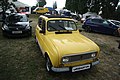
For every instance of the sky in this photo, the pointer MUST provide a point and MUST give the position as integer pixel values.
(60, 3)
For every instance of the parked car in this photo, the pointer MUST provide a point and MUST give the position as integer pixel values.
(63, 46)
(89, 15)
(102, 26)
(16, 25)
(41, 10)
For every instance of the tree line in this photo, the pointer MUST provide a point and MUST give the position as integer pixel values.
(106, 8)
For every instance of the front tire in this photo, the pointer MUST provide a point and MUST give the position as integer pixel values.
(116, 33)
(4, 34)
(48, 64)
(30, 33)
(88, 29)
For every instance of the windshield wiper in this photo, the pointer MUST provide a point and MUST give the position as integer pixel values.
(63, 32)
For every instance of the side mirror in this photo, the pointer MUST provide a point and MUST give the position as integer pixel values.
(41, 31)
(80, 30)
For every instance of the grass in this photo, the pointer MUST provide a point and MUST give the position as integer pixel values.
(21, 59)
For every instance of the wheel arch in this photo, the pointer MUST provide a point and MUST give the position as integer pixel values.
(54, 60)
(48, 55)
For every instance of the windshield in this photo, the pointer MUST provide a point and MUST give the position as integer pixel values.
(56, 25)
(17, 18)
(116, 22)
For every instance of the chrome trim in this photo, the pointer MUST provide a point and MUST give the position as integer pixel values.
(79, 54)
(95, 63)
(79, 61)
(63, 69)
(60, 69)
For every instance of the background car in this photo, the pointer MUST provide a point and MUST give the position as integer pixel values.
(16, 25)
(41, 10)
(89, 15)
(101, 25)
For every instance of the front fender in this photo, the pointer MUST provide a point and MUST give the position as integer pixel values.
(52, 53)
(54, 59)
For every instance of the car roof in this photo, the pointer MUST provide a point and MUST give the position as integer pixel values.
(94, 18)
(114, 20)
(54, 16)
(17, 14)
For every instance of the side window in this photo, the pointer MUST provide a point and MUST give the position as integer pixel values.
(95, 21)
(105, 22)
(72, 25)
(40, 22)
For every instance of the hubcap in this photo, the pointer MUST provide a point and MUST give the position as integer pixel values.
(48, 64)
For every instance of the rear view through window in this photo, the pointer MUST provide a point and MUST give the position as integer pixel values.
(56, 25)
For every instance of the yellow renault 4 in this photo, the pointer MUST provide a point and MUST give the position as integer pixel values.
(63, 46)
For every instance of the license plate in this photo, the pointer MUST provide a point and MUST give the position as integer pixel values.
(80, 68)
(16, 32)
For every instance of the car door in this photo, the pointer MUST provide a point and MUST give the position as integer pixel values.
(40, 34)
(95, 25)
(106, 27)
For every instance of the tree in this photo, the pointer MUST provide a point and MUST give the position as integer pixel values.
(41, 3)
(108, 7)
(77, 6)
(118, 11)
(82, 6)
(55, 5)
(5, 5)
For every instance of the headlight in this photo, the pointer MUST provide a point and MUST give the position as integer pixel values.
(6, 27)
(65, 59)
(93, 55)
(28, 27)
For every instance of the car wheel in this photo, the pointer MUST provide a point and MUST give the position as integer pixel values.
(87, 29)
(30, 34)
(116, 33)
(3, 34)
(48, 64)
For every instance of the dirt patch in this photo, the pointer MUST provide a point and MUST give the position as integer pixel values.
(21, 59)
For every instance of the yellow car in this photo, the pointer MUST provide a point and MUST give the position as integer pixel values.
(63, 46)
(41, 10)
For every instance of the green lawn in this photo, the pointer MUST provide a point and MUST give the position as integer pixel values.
(21, 59)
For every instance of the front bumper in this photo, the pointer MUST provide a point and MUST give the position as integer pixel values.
(65, 69)
(10, 34)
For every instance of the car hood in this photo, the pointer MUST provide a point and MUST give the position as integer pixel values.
(18, 24)
(72, 44)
